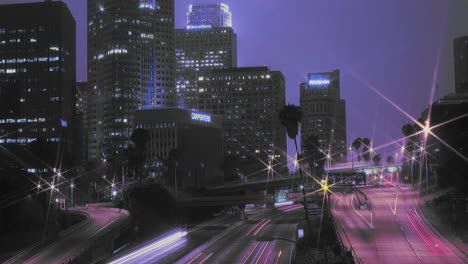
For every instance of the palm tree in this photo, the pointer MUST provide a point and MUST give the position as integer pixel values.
(356, 145)
(390, 160)
(376, 159)
(140, 138)
(290, 117)
(365, 151)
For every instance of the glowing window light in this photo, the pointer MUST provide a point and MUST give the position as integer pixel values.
(145, 35)
(319, 82)
(116, 51)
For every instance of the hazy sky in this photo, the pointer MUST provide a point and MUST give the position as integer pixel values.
(394, 45)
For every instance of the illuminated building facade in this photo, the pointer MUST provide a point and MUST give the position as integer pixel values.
(324, 113)
(197, 139)
(207, 42)
(131, 65)
(217, 15)
(460, 49)
(249, 99)
(199, 49)
(37, 74)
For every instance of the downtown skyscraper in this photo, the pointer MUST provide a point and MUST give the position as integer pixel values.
(131, 65)
(207, 42)
(460, 50)
(324, 113)
(249, 100)
(217, 15)
(37, 76)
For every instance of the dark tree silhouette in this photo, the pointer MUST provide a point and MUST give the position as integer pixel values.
(140, 138)
(366, 155)
(290, 117)
(390, 160)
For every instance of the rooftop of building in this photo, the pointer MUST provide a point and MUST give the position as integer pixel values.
(10, 10)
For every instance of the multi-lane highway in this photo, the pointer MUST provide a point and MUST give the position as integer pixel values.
(393, 230)
(267, 236)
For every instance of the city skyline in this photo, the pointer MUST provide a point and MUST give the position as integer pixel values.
(211, 131)
(372, 51)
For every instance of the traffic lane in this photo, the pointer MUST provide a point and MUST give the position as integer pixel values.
(433, 245)
(65, 247)
(356, 232)
(151, 252)
(423, 244)
(264, 247)
(236, 245)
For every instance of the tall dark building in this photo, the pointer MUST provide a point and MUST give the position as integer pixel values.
(202, 45)
(324, 113)
(460, 50)
(217, 15)
(249, 99)
(82, 96)
(37, 74)
(196, 138)
(131, 65)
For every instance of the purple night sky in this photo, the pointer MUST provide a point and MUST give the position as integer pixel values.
(393, 45)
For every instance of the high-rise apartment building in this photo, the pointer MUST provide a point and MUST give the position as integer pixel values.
(131, 66)
(460, 50)
(249, 99)
(324, 113)
(203, 45)
(217, 15)
(37, 74)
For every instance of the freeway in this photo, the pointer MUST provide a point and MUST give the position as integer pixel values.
(225, 239)
(70, 245)
(267, 237)
(393, 230)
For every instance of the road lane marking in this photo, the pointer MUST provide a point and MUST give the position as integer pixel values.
(437, 242)
(207, 257)
(278, 258)
(261, 227)
(261, 253)
(253, 228)
(250, 254)
(268, 257)
(428, 243)
(194, 258)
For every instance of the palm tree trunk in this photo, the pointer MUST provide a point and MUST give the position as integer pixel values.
(302, 181)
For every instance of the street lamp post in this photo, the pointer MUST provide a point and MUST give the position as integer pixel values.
(72, 186)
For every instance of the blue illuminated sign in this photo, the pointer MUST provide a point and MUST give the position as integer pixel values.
(319, 82)
(201, 117)
(194, 27)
